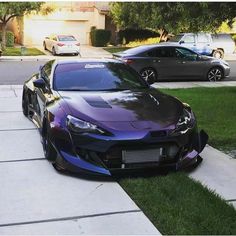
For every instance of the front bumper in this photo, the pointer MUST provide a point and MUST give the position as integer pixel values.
(104, 156)
(226, 71)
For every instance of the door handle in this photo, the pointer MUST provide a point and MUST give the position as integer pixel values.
(156, 60)
(181, 62)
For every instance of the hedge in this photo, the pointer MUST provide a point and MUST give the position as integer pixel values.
(9, 38)
(100, 37)
(128, 35)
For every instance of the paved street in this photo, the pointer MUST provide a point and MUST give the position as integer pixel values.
(36, 199)
(16, 72)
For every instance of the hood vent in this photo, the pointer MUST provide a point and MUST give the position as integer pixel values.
(96, 101)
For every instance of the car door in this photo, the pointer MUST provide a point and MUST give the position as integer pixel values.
(44, 94)
(51, 42)
(54, 42)
(190, 64)
(164, 61)
(203, 44)
(189, 41)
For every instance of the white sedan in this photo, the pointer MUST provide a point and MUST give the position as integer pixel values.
(62, 44)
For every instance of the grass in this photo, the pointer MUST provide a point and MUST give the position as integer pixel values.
(178, 205)
(215, 109)
(17, 52)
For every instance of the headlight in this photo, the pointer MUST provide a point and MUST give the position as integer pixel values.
(185, 122)
(80, 126)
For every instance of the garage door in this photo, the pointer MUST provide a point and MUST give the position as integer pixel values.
(36, 30)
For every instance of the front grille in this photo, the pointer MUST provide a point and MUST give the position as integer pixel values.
(137, 156)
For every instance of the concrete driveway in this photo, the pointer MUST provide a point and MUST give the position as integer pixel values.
(85, 51)
(36, 199)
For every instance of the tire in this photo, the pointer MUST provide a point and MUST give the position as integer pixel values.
(44, 46)
(215, 74)
(49, 151)
(25, 103)
(219, 54)
(58, 165)
(54, 53)
(149, 75)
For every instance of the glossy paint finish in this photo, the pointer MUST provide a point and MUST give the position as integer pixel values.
(139, 119)
(168, 66)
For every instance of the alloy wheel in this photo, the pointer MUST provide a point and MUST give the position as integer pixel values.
(215, 74)
(149, 75)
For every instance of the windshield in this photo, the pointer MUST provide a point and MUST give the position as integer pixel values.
(64, 38)
(176, 38)
(96, 76)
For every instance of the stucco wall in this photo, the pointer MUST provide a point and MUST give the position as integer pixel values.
(63, 20)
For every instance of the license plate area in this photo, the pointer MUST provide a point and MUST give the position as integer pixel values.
(142, 156)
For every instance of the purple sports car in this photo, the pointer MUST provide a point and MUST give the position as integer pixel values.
(100, 116)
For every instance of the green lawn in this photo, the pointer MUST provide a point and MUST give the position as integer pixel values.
(175, 203)
(17, 52)
(215, 109)
(178, 205)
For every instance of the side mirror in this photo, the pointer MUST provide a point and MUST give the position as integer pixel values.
(199, 57)
(181, 41)
(39, 83)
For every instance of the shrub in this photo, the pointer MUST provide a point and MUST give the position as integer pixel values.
(129, 35)
(9, 38)
(100, 37)
(143, 42)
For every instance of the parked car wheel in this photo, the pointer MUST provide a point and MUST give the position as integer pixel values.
(218, 54)
(54, 53)
(49, 151)
(215, 74)
(44, 46)
(149, 75)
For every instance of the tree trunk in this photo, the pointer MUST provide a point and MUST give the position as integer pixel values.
(4, 28)
(163, 35)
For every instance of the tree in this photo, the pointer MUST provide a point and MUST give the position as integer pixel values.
(173, 17)
(10, 10)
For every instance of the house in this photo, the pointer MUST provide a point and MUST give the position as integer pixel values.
(74, 18)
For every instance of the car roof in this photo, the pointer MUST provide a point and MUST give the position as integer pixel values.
(144, 48)
(86, 60)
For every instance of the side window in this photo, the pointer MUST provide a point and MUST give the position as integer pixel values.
(189, 39)
(183, 53)
(162, 52)
(203, 38)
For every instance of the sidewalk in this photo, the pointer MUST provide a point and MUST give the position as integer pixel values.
(195, 84)
(218, 172)
(35, 199)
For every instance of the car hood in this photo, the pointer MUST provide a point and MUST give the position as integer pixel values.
(141, 108)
